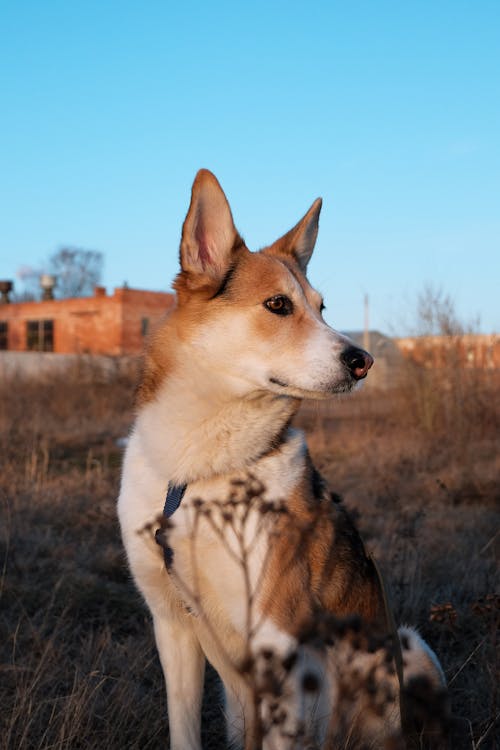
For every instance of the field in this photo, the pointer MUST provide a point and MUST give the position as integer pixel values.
(417, 463)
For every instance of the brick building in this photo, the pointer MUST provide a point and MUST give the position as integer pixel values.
(103, 324)
(479, 351)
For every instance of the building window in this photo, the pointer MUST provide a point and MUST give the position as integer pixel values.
(40, 335)
(4, 334)
(144, 326)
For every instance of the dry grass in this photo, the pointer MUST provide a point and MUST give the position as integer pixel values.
(417, 463)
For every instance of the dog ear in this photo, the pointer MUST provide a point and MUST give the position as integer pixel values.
(300, 240)
(208, 233)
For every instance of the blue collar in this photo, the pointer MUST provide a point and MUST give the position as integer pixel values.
(175, 493)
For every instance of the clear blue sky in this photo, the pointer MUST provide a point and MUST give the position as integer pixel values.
(388, 110)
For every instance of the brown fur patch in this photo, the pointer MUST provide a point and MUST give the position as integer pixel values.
(318, 562)
(263, 275)
(157, 363)
(286, 257)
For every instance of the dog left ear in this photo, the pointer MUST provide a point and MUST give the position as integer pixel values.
(208, 234)
(300, 240)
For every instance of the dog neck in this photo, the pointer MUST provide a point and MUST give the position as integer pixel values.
(202, 425)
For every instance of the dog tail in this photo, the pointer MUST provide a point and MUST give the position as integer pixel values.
(419, 660)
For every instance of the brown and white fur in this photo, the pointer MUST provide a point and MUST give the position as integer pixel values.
(223, 376)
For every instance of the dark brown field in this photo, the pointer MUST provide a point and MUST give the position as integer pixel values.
(417, 464)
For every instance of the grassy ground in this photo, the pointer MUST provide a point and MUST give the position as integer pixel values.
(417, 464)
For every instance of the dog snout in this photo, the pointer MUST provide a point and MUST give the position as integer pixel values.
(357, 361)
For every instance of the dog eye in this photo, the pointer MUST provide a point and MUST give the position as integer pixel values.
(279, 304)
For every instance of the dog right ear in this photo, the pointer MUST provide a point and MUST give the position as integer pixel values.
(208, 234)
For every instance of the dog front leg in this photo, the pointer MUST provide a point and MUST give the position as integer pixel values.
(183, 665)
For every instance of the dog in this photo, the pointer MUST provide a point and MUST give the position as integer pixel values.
(254, 559)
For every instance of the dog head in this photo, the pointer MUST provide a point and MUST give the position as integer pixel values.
(254, 317)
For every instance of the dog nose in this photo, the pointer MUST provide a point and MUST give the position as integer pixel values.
(357, 361)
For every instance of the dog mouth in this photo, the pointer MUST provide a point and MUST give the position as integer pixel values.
(277, 381)
(321, 392)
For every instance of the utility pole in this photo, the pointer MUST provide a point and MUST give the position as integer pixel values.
(366, 331)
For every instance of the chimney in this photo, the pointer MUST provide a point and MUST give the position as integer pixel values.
(47, 282)
(99, 291)
(6, 287)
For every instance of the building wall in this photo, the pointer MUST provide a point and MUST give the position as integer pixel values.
(141, 311)
(100, 324)
(480, 351)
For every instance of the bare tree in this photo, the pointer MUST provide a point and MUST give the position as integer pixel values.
(436, 315)
(77, 271)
